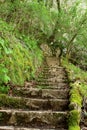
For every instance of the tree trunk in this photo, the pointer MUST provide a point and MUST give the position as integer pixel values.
(58, 5)
(69, 44)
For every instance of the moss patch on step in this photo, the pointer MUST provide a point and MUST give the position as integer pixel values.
(6, 101)
(75, 97)
(74, 127)
(74, 119)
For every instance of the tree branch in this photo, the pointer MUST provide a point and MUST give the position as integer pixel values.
(75, 35)
(58, 5)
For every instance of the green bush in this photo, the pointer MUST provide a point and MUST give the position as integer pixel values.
(30, 18)
(20, 56)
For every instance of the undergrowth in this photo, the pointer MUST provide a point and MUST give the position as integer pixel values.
(20, 56)
(23, 26)
(30, 18)
(77, 76)
(78, 89)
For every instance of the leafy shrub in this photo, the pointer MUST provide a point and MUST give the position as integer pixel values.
(4, 78)
(4, 89)
(19, 58)
(28, 17)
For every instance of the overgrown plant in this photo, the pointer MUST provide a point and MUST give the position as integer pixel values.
(62, 24)
(69, 31)
(30, 18)
(19, 58)
(78, 88)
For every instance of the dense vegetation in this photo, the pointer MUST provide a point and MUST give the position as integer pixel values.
(24, 25)
(78, 88)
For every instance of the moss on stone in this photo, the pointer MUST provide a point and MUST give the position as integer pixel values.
(76, 127)
(75, 77)
(74, 118)
(6, 101)
(75, 97)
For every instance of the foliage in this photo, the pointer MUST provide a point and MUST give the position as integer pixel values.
(4, 89)
(67, 26)
(4, 78)
(28, 17)
(69, 32)
(77, 79)
(18, 61)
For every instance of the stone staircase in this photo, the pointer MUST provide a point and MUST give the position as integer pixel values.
(43, 106)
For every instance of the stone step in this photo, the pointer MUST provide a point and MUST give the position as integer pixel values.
(54, 73)
(52, 80)
(62, 85)
(52, 85)
(22, 128)
(33, 104)
(52, 76)
(84, 128)
(33, 119)
(47, 83)
(53, 67)
(49, 74)
(41, 93)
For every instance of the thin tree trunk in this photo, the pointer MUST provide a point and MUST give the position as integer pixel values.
(74, 36)
(58, 5)
(52, 37)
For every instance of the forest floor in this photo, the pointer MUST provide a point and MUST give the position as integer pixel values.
(42, 106)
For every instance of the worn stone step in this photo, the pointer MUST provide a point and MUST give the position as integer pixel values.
(52, 76)
(33, 104)
(45, 86)
(52, 85)
(53, 73)
(84, 128)
(53, 80)
(41, 93)
(22, 128)
(53, 67)
(41, 119)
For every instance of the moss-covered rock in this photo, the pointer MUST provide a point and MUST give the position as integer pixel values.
(76, 127)
(75, 78)
(74, 118)
(75, 98)
(6, 101)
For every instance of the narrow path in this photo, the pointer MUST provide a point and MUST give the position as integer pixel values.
(41, 107)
